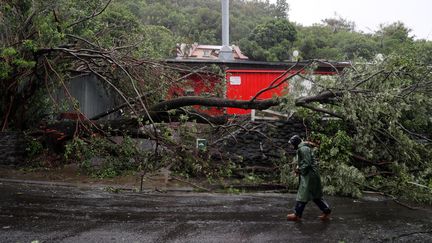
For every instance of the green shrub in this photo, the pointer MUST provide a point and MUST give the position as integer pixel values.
(114, 159)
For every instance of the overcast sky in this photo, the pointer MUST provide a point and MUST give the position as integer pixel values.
(367, 14)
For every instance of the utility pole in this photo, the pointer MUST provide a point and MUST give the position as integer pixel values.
(225, 53)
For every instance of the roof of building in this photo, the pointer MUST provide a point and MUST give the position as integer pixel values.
(322, 66)
(206, 52)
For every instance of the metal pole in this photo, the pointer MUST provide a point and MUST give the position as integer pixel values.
(225, 22)
(226, 51)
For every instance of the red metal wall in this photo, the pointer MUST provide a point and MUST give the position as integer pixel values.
(199, 85)
(245, 84)
(241, 85)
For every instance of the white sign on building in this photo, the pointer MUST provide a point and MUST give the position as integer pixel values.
(235, 80)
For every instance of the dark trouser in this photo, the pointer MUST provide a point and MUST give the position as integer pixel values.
(323, 206)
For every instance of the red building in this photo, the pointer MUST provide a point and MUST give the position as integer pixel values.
(244, 79)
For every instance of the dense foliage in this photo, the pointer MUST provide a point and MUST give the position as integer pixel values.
(46, 43)
(253, 21)
(381, 139)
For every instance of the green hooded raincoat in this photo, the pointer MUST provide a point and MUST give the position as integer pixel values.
(310, 182)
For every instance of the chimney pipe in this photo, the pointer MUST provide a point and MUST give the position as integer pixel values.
(226, 51)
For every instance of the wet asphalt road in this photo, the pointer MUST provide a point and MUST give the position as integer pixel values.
(62, 213)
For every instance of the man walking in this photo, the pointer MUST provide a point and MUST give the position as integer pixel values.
(310, 182)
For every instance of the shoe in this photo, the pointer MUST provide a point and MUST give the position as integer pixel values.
(324, 216)
(293, 217)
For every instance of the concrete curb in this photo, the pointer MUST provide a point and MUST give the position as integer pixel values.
(94, 186)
